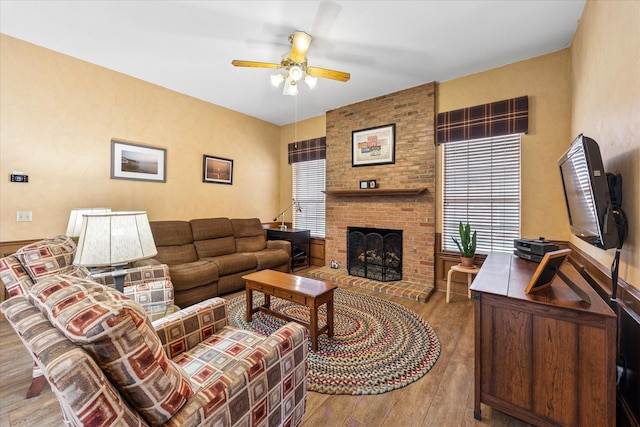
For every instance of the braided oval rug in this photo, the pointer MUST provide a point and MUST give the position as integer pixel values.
(378, 345)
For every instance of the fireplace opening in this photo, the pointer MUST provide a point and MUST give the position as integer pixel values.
(374, 253)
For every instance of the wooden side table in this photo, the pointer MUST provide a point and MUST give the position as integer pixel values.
(470, 271)
(297, 237)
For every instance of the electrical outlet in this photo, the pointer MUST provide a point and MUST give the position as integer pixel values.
(24, 216)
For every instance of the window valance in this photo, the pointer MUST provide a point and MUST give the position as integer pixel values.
(311, 149)
(499, 118)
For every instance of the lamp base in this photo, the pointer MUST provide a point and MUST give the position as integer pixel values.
(118, 277)
(283, 227)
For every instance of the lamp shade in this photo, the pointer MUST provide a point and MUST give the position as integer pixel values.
(75, 219)
(290, 87)
(276, 79)
(114, 238)
(295, 73)
(311, 81)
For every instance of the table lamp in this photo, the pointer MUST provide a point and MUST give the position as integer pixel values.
(114, 239)
(75, 219)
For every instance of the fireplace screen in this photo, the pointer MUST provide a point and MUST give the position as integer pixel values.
(374, 253)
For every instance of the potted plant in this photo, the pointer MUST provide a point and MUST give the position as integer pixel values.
(467, 245)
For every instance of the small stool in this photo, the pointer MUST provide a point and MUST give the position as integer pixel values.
(470, 271)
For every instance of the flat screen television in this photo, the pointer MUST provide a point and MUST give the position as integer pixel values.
(587, 194)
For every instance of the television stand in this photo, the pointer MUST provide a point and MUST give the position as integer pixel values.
(547, 357)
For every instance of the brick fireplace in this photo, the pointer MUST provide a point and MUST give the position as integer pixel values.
(405, 195)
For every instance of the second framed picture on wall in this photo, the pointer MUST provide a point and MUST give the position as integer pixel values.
(374, 146)
(217, 170)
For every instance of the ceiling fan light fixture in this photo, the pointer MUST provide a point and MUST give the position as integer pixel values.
(294, 66)
(295, 73)
(276, 79)
(311, 81)
(290, 87)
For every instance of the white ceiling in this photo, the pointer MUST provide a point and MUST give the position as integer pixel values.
(187, 46)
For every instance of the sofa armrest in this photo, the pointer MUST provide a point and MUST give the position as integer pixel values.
(13, 276)
(186, 328)
(150, 286)
(279, 244)
(135, 275)
(275, 371)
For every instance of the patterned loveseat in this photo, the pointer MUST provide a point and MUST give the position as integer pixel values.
(109, 365)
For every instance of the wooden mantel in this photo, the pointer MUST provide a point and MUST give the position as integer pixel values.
(376, 192)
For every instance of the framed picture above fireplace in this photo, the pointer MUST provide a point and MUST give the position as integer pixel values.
(374, 146)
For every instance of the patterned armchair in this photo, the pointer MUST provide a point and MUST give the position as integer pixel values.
(150, 285)
(18, 273)
(108, 364)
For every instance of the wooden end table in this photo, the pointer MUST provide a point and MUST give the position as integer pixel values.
(301, 290)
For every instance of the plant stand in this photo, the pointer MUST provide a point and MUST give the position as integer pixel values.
(470, 272)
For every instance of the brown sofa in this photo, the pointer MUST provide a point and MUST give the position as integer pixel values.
(208, 257)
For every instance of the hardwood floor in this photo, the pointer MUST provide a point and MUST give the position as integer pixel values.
(443, 397)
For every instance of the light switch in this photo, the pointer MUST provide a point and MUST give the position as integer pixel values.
(24, 216)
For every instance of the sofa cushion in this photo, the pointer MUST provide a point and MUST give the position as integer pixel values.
(213, 237)
(234, 263)
(215, 247)
(211, 228)
(118, 335)
(179, 254)
(13, 276)
(271, 258)
(50, 256)
(191, 296)
(249, 234)
(193, 274)
(171, 233)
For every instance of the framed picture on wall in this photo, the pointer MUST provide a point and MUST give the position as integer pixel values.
(138, 162)
(374, 146)
(217, 170)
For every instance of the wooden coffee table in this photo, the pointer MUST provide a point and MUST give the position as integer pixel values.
(308, 292)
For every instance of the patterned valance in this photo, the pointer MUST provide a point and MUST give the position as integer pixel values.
(483, 121)
(311, 149)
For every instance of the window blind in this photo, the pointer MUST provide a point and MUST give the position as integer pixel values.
(308, 185)
(481, 185)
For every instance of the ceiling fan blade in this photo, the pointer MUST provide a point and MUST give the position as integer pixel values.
(239, 63)
(299, 46)
(328, 74)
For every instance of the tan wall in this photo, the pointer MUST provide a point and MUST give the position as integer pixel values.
(545, 79)
(58, 115)
(606, 107)
(306, 129)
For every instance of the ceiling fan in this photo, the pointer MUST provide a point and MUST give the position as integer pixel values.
(295, 67)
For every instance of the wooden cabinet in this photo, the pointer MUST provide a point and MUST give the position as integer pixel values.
(300, 245)
(546, 358)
